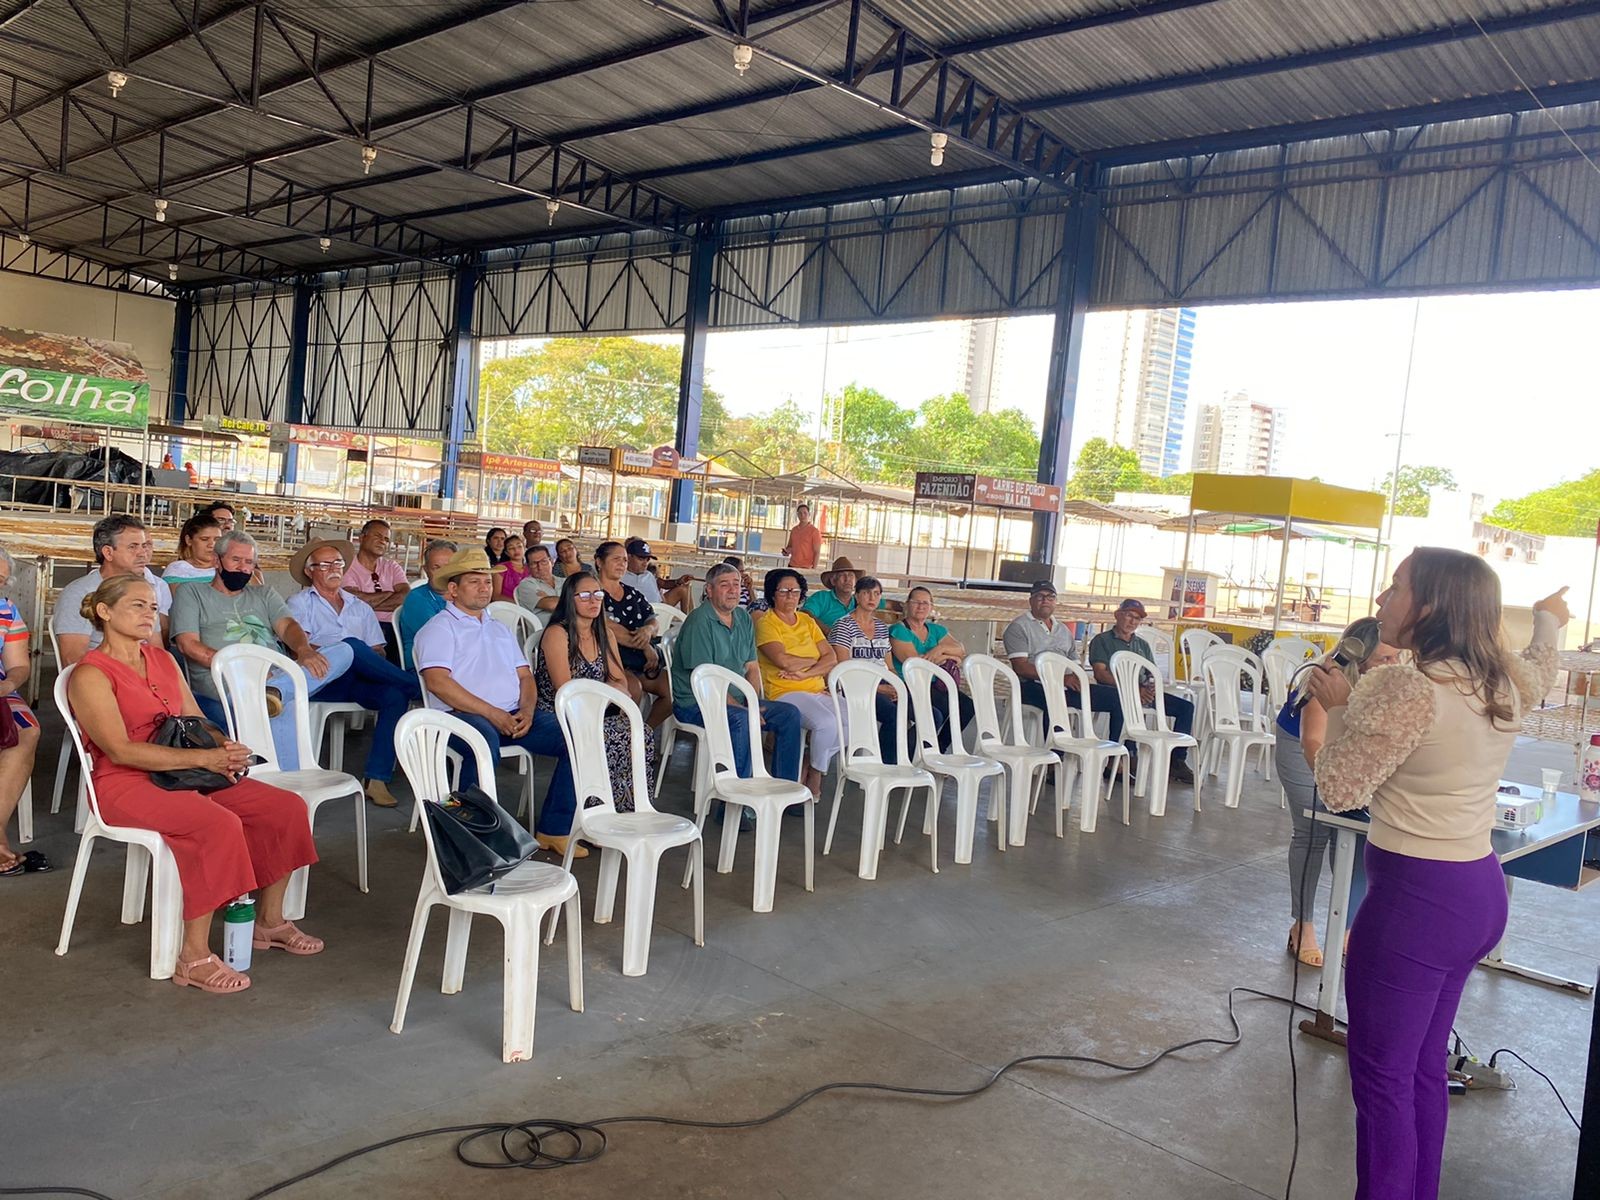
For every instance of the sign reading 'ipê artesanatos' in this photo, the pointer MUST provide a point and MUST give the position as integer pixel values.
(85, 380)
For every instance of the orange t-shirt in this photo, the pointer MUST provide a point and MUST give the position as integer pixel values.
(805, 543)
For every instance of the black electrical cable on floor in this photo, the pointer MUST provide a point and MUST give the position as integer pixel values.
(523, 1144)
(1561, 1100)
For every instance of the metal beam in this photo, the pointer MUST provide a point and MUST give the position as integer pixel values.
(692, 373)
(294, 407)
(1075, 287)
(463, 415)
(182, 337)
(1461, 32)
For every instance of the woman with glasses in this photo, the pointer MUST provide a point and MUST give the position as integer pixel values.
(197, 552)
(795, 658)
(920, 636)
(633, 628)
(578, 645)
(860, 634)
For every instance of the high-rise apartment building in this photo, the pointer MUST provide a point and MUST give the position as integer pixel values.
(981, 363)
(1238, 436)
(1136, 384)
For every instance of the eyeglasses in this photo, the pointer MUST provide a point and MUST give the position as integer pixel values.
(375, 583)
(589, 595)
(336, 565)
(791, 591)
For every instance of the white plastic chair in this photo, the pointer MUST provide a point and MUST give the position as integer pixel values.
(64, 758)
(25, 814)
(1156, 736)
(522, 623)
(240, 672)
(763, 795)
(1193, 644)
(667, 734)
(1025, 764)
(516, 754)
(1086, 754)
(1229, 726)
(668, 618)
(1298, 648)
(148, 859)
(331, 723)
(968, 770)
(1249, 664)
(518, 900)
(853, 686)
(641, 836)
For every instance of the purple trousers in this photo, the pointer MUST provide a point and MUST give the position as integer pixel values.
(1423, 926)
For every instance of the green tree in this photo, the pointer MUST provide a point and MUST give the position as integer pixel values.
(950, 435)
(1411, 498)
(776, 442)
(1102, 470)
(1171, 485)
(1567, 509)
(571, 392)
(876, 435)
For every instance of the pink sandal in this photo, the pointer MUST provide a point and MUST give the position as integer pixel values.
(286, 937)
(221, 982)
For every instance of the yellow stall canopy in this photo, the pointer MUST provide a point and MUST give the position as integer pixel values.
(1285, 497)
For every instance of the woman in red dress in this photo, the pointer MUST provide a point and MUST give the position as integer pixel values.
(244, 838)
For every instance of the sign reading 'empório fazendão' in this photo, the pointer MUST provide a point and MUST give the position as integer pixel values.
(85, 380)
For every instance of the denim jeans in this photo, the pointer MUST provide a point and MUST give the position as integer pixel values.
(285, 740)
(543, 740)
(780, 720)
(374, 682)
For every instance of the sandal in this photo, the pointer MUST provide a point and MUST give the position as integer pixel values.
(285, 937)
(222, 981)
(1311, 957)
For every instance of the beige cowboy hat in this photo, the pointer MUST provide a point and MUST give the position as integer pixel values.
(839, 564)
(470, 561)
(297, 564)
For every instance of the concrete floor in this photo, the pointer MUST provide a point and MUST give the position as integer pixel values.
(1113, 944)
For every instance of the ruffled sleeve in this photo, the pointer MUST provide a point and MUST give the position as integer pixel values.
(1534, 670)
(1389, 714)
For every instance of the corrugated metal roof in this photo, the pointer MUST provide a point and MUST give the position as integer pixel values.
(764, 138)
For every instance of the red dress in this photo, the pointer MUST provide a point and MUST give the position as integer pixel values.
(227, 843)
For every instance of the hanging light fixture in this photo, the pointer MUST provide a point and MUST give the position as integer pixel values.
(24, 238)
(172, 272)
(743, 54)
(369, 155)
(117, 81)
(552, 207)
(161, 210)
(938, 143)
(323, 243)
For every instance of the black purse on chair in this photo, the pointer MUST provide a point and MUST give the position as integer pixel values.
(190, 733)
(475, 841)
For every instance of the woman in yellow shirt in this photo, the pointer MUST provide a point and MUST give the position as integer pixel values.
(795, 659)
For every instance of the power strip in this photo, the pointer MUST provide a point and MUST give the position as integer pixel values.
(1478, 1076)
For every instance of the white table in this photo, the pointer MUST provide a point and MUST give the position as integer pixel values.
(1550, 852)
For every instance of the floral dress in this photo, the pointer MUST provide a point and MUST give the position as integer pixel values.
(619, 747)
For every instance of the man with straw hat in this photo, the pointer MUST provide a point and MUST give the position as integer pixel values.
(839, 598)
(330, 615)
(472, 666)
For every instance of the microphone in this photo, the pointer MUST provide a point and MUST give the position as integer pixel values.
(1356, 645)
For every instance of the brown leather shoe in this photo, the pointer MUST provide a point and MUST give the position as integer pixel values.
(558, 846)
(378, 792)
(274, 702)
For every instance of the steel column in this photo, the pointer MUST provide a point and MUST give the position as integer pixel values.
(464, 376)
(182, 338)
(294, 407)
(692, 375)
(1075, 283)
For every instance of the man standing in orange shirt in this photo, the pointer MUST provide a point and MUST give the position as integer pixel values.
(805, 541)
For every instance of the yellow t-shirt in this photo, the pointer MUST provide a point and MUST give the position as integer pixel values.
(799, 639)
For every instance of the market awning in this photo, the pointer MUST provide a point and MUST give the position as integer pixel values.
(1283, 496)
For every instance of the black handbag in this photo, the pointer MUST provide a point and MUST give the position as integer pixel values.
(189, 733)
(475, 841)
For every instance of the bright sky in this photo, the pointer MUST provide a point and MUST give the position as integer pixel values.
(1503, 389)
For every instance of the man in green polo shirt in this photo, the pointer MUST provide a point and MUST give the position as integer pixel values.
(1122, 636)
(720, 632)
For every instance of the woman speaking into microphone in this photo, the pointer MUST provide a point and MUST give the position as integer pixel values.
(1423, 743)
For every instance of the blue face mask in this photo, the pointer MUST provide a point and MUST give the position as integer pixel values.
(234, 581)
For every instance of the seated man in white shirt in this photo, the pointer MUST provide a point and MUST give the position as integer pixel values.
(539, 592)
(639, 575)
(122, 546)
(330, 615)
(473, 667)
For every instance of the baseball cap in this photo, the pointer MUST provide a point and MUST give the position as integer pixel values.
(638, 548)
(1042, 585)
(1132, 605)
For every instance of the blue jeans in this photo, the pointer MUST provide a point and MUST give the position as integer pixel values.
(374, 682)
(780, 720)
(285, 739)
(543, 739)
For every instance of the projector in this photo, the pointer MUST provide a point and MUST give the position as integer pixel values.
(1513, 810)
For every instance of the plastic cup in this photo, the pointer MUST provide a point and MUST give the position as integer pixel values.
(1552, 780)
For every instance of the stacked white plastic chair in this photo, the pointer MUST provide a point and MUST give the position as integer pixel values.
(1192, 647)
(641, 836)
(1150, 731)
(968, 770)
(1026, 764)
(149, 861)
(764, 796)
(1254, 717)
(518, 900)
(853, 686)
(1082, 752)
(1230, 726)
(667, 734)
(240, 672)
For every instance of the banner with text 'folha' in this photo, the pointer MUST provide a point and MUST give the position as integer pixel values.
(51, 377)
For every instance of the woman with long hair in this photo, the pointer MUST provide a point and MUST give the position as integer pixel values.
(241, 838)
(516, 568)
(494, 545)
(1422, 744)
(197, 552)
(567, 560)
(633, 627)
(578, 645)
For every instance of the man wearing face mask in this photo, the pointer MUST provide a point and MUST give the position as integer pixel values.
(231, 609)
(122, 546)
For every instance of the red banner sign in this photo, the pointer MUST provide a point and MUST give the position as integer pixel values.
(340, 439)
(1016, 493)
(511, 464)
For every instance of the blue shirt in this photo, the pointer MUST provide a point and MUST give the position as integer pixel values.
(419, 607)
(355, 619)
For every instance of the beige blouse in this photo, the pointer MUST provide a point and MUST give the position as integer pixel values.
(1419, 750)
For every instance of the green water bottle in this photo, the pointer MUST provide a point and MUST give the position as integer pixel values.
(238, 928)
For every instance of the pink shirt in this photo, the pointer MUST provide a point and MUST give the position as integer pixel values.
(387, 576)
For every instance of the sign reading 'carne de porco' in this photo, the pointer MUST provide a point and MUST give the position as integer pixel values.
(72, 379)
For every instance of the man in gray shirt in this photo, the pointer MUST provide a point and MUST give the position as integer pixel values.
(1036, 631)
(539, 591)
(122, 546)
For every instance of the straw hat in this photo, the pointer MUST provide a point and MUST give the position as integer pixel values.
(297, 564)
(839, 564)
(469, 561)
